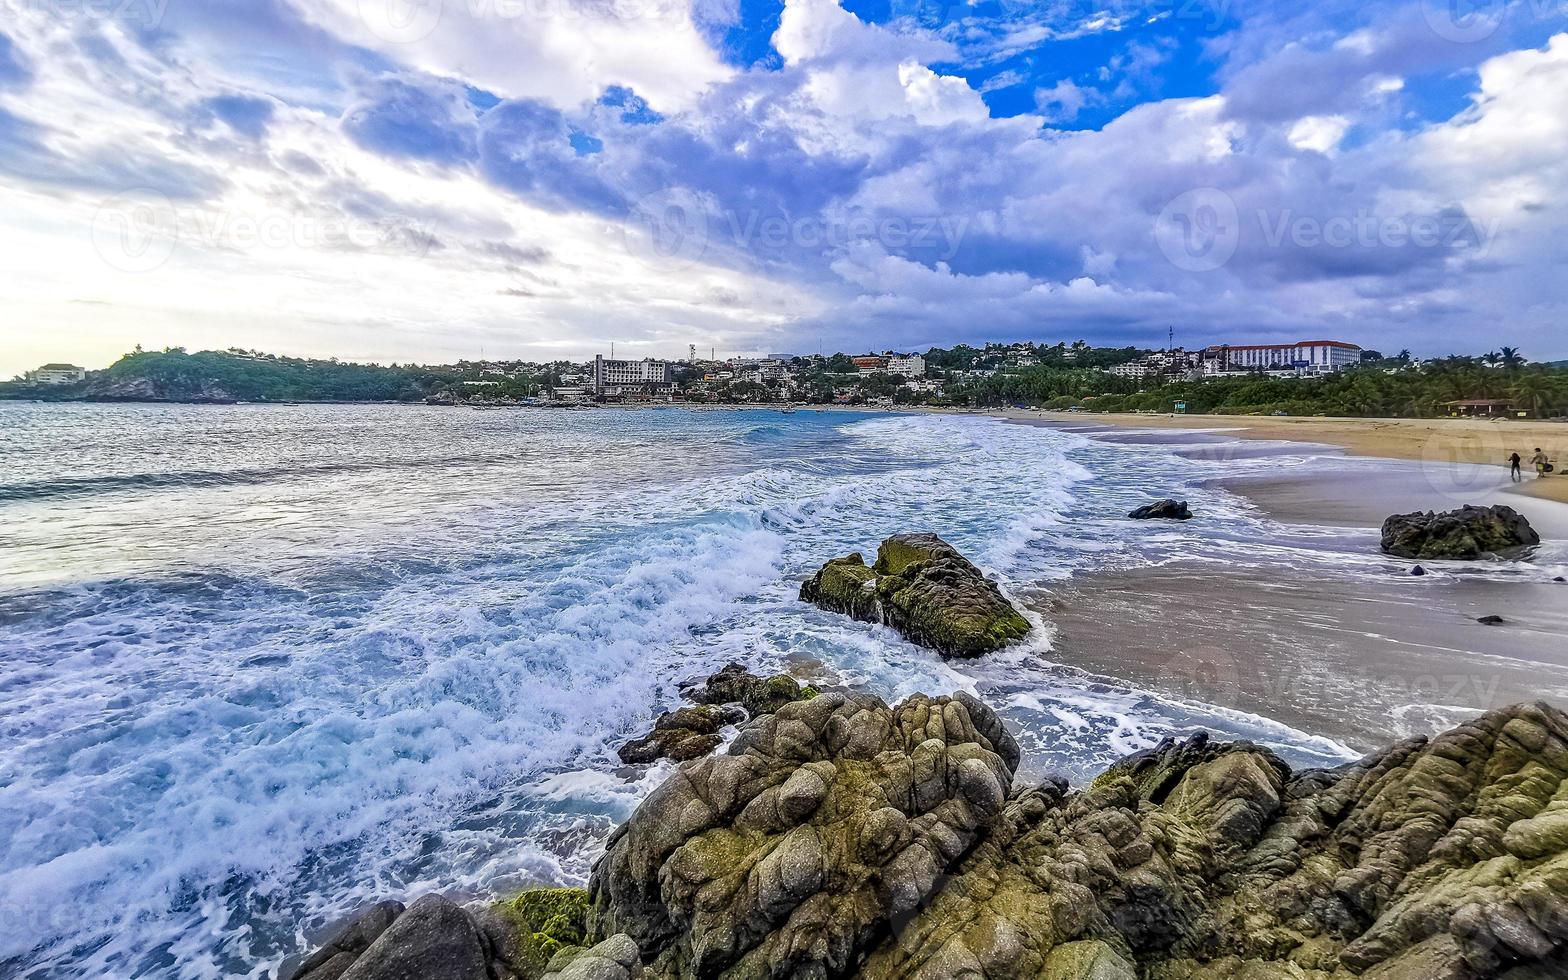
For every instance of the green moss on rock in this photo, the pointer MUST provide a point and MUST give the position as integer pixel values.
(771, 695)
(903, 550)
(922, 587)
(844, 585)
(546, 921)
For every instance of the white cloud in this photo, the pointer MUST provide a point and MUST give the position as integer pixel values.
(1063, 101)
(565, 52)
(1320, 134)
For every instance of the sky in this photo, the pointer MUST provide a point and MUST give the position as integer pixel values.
(431, 180)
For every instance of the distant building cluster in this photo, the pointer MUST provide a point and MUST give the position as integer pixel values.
(876, 378)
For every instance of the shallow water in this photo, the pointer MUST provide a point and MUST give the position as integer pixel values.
(260, 664)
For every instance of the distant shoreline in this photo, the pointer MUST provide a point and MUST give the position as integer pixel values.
(1479, 442)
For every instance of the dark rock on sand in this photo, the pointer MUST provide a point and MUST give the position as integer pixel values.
(1164, 510)
(922, 587)
(1462, 535)
(1491, 620)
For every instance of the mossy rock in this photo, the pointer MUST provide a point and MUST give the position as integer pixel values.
(903, 550)
(922, 587)
(546, 920)
(771, 695)
(948, 605)
(844, 585)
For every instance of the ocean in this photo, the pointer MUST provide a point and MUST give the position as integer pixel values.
(260, 665)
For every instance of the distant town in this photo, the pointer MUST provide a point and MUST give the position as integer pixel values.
(1304, 377)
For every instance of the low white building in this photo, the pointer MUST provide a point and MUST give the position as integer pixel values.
(59, 374)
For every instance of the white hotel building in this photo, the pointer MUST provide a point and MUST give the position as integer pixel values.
(1306, 357)
(623, 377)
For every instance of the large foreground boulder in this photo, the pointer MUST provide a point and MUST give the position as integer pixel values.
(789, 855)
(534, 933)
(922, 587)
(1461, 535)
(842, 837)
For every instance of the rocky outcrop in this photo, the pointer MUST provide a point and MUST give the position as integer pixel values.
(788, 855)
(736, 686)
(1164, 510)
(842, 837)
(922, 587)
(1460, 535)
(731, 696)
(687, 733)
(137, 389)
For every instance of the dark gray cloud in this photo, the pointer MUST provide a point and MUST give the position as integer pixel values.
(415, 117)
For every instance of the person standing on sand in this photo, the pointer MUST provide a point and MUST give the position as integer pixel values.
(1513, 468)
(1539, 462)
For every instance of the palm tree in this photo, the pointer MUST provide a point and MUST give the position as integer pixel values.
(1534, 393)
(1510, 358)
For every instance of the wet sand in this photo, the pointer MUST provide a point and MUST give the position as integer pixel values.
(1440, 443)
(1359, 660)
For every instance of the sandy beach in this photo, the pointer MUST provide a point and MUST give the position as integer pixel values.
(1435, 442)
(1325, 649)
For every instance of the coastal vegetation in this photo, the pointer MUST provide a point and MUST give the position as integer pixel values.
(174, 374)
(1381, 389)
(1056, 376)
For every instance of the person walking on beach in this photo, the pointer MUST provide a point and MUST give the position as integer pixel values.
(1539, 462)
(1513, 468)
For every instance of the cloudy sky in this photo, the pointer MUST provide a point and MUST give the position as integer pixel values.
(426, 180)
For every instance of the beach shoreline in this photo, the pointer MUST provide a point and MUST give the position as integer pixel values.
(1324, 647)
(1435, 442)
